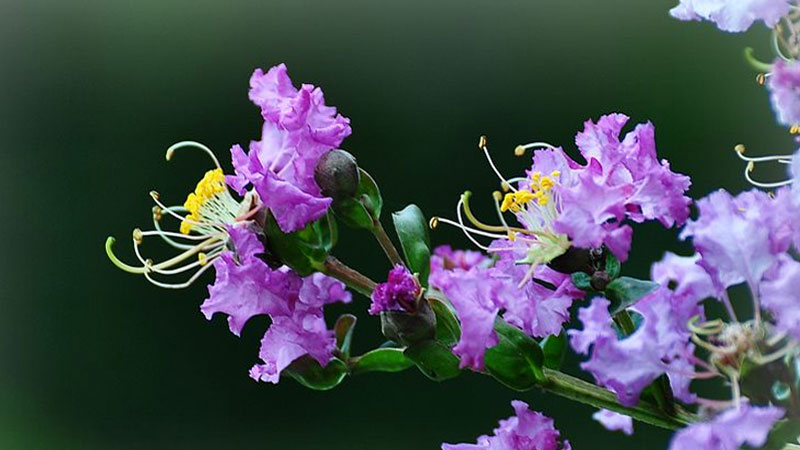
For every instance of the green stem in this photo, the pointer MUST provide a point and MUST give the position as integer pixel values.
(578, 390)
(386, 243)
(349, 276)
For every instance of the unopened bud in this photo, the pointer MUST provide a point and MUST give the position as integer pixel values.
(337, 174)
(407, 328)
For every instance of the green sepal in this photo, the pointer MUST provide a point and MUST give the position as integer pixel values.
(516, 361)
(625, 291)
(553, 349)
(448, 331)
(434, 360)
(412, 229)
(343, 330)
(303, 250)
(613, 266)
(380, 360)
(582, 281)
(363, 210)
(308, 372)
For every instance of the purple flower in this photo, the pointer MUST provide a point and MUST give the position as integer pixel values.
(784, 88)
(445, 258)
(794, 172)
(476, 294)
(526, 430)
(658, 193)
(779, 295)
(732, 15)
(400, 292)
(627, 366)
(739, 238)
(297, 131)
(614, 421)
(731, 429)
(245, 286)
(690, 280)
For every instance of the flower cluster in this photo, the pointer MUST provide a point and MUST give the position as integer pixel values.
(732, 15)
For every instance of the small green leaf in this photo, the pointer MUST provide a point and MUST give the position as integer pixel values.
(613, 266)
(308, 372)
(625, 291)
(553, 348)
(363, 210)
(784, 432)
(380, 360)
(303, 250)
(434, 360)
(448, 331)
(516, 360)
(412, 229)
(343, 330)
(582, 281)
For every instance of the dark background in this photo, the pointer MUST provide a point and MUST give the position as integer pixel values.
(92, 93)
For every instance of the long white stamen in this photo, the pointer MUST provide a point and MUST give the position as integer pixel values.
(183, 144)
(750, 180)
(464, 228)
(468, 229)
(520, 149)
(482, 146)
(183, 285)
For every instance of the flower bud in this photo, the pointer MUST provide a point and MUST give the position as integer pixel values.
(407, 328)
(337, 174)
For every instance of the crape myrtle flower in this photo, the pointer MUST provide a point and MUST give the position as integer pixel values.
(218, 231)
(398, 293)
(628, 365)
(298, 129)
(784, 88)
(526, 430)
(445, 258)
(479, 293)
(731, 429)
(614, 421)
(732, 15)
(561, 203)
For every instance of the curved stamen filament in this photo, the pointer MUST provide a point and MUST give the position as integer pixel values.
(750, 180)
(464, 202)
(521, 149)
(740, 149)
(464, 228)
(766, 359)
(184, 144)
(110, 241)
(183, 285)
(155, 196)
(482, 145)
(437, 220)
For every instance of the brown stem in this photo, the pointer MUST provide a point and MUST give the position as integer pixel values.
(386, 244)
(349, 276)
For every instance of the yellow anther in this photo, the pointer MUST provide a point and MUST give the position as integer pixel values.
(433, 223)
(512, 236)
(555, 173)
(505, 186)
(543, 201)
(497, 195)
(157, 213)
(203, 258)
(761, 79)
(519, 150)
(137, 236)
(739, 148)
(482, 141)
(509, 203)
(795, 129)
(546, 183)
(522, 197)
(535, 176)
(186, 227)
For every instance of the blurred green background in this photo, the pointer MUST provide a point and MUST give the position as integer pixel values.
(93, 92)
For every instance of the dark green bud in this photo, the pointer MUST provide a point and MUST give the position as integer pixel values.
(408, 328)
(337, 174)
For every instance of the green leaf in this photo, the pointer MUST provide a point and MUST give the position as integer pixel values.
(448, 331)
(308, 372)
(412, 229)
(625, 291)
(380, 360)
(303, 250)
(363, 210)
(582, 281)
(784, 432)
(434, 360)
(553, 348)
(516, 360)
(343, 330)
(613, 266)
